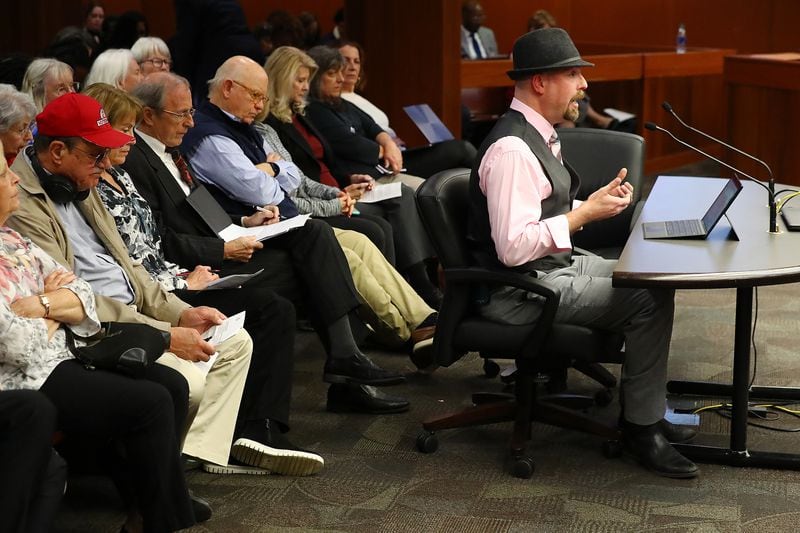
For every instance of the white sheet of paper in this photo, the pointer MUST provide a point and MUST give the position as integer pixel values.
(232, 281)
(205, 366)
(618, 114)
(222, 332)
(262, 233)
(381, 192)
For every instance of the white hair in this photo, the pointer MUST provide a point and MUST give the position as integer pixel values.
(15, 106)
(33, 82)
(110, 67)
(145, 47)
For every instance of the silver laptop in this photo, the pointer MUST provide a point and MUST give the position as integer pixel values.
(428, 123)
(696, 228)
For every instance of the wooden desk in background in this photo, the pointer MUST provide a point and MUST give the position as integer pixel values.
(764, 112)
(637, 81)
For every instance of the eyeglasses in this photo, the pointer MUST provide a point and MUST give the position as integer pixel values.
(254, 95)
(65, 88)
(189, 113)
(158, 62)
(98, 158)
(26, 128)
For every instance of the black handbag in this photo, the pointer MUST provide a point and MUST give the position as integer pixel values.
(127, 348)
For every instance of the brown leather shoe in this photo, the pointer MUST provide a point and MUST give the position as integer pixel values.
(423, 334)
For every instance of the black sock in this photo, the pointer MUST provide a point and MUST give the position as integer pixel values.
(343, 345)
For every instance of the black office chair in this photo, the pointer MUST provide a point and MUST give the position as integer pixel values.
(597, 155)
(538, 349)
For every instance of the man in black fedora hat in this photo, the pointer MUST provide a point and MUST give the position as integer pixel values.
(523, 213)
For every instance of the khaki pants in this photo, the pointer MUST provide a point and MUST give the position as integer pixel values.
(214, 398)
(396, 306)
(412, 181)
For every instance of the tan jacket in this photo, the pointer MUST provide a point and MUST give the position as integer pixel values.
(38, 220)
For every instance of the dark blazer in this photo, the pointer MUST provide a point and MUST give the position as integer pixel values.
(350, 133)
(187, 239)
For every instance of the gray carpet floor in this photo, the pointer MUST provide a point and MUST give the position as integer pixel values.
(375, 480)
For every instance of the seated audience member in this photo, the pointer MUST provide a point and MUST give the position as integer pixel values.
(424, 161)
(311, 31)
(339, 32)
(286, 29)
(32, 474)
(116, 67)
(522, 217)
(16, 119)
(358, 143)
(61, 212)
(314, 257)
(13, 67)
(393, 305)
(477, 41)
(588, 116)
(152, 54)
(264, 412)
(73, 47)
(93, 24)
(290, 70)
(40, 299)
(47, 79)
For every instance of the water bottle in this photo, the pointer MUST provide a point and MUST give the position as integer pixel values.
(680, 40)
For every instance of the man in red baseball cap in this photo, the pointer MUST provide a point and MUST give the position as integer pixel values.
(74, 137)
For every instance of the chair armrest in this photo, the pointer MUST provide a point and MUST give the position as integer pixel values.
(583, 251)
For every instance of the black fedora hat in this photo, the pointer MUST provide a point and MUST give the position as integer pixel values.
(545, 49)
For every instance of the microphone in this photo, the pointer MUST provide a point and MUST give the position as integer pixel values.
(773, 215)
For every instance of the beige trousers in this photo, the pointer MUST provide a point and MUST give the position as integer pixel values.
(412, 181)
(214, 398)
(396, 306)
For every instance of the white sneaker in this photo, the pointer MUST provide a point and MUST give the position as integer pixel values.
(290, 462)
(211, 468)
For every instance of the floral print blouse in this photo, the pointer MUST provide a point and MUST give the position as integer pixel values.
(138, 229)
(27, 356)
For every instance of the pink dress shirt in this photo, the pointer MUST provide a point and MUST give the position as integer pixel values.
(515, 184)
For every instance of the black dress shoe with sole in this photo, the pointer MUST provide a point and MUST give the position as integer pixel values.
(363, 399)
(676, 434)
(201, 508)
(360, 370)
(652, 450)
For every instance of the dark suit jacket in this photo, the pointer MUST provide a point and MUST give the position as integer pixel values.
(350, 133)
(187, 239)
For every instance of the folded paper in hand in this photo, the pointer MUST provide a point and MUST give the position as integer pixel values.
(232, 281)
(381, 192)
(262, 233)
(219, 334)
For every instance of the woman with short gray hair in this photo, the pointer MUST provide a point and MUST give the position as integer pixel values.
(152, 54)
(17, 112)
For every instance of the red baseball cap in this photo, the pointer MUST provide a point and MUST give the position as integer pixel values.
(78, 115)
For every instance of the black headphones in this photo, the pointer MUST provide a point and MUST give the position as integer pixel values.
(58, 188)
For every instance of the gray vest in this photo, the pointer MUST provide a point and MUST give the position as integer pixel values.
(562, 178)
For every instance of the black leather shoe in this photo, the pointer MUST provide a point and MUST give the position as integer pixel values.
(360, 370)
(676, 434)
(201, 508)
(363, 399)
(649, 446)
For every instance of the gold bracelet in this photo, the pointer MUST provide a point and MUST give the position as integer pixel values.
(45, 301)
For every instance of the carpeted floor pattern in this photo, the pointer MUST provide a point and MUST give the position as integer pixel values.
(374, 479)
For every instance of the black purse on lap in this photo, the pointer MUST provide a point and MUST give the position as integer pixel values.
(127, 348)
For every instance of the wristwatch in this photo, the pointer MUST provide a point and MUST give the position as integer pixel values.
(45, 301)
(275, 169)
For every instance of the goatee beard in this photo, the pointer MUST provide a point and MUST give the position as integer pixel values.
(571, 113)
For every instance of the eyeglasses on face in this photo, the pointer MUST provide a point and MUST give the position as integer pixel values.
(158, 62)
(64, 88)
(183, 115)
(255, 96)
(97, 158)
(24, 129)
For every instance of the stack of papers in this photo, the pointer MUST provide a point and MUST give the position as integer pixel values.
(262, 233)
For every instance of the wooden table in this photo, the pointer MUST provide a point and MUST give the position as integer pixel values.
(757, 258)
